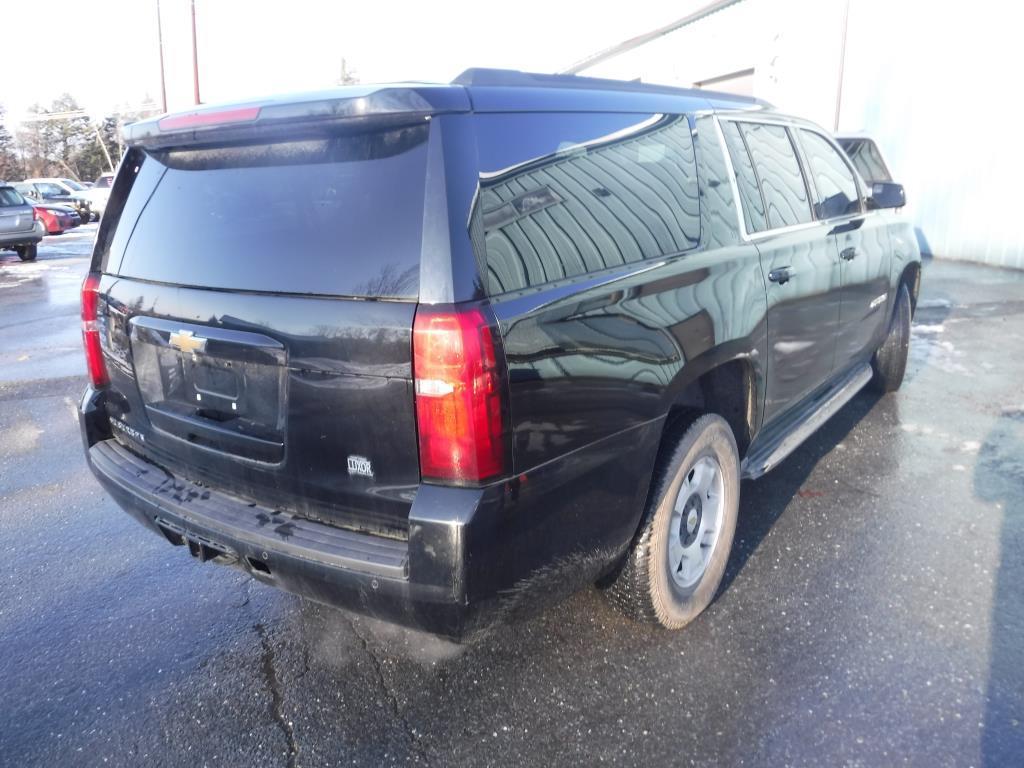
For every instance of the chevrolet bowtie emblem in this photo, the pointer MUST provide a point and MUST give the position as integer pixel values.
(187, 341)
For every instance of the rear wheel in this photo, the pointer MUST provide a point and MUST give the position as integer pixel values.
(677, 561)
(889, 363)
(26, 252)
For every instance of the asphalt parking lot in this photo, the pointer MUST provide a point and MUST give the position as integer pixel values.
(872, 613)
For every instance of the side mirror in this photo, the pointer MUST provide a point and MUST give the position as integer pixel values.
(887, 194)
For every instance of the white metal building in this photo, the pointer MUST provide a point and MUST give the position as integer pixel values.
(937, 85)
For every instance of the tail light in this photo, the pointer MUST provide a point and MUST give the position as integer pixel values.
(459, 412)
(91, 332)
(201, 119)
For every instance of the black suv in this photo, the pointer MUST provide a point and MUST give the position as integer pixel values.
(440, 353)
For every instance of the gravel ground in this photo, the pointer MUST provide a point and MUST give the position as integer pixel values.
(872, 612)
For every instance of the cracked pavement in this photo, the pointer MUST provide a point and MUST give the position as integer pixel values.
(872, 611)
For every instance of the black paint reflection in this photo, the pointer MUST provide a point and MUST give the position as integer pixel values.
(668, 285)
(614, 201)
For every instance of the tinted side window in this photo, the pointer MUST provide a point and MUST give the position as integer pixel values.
(614, 198)
(746, 179)
(866, 159)
(782, 183)
(835, 187)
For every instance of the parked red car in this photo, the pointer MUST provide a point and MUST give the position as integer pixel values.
(57, 219)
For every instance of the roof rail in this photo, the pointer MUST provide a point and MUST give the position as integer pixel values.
(513, 78)
(486, 76)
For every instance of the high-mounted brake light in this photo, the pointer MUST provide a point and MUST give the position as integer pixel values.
(215, 117)
(458, 397)
(91, 332)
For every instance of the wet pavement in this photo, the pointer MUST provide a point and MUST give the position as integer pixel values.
(872, 613)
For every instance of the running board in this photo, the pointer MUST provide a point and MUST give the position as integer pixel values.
(766, 457)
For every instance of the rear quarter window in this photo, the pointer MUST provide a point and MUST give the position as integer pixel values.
(582, 194)
(334, 216)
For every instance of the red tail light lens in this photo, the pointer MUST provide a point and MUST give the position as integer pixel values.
(458, 397)
(91, 332)
(200, 119)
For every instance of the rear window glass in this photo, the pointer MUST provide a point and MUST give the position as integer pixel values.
(334, 216)
(9, 196)
(103, 182)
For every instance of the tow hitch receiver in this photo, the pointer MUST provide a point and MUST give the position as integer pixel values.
(200, 547)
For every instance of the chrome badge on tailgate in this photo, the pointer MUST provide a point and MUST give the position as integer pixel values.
(187, 341)
(360, 465)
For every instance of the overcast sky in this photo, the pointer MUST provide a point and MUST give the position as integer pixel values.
(106, 54)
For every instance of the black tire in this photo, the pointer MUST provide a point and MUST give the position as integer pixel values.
(889, 363)
(26, 252)
(645, 588)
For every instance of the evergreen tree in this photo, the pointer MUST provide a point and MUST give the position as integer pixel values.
(10, 164)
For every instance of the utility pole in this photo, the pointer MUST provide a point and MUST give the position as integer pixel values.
(160, 40)
(103, 146)
(195, 55)
(842, 66)
(347, 76)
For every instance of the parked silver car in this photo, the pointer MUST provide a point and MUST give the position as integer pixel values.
(20, 231)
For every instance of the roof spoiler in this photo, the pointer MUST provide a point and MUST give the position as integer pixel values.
(355, 105)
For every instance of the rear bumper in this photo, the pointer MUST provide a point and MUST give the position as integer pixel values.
(474, 557)
(360, 572)
(11, 239)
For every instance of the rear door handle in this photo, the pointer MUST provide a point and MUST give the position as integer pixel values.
(848, 226)
(848, 254)
(780, 275)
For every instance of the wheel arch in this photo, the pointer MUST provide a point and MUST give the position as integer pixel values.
(911, 277)
(729, 387)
